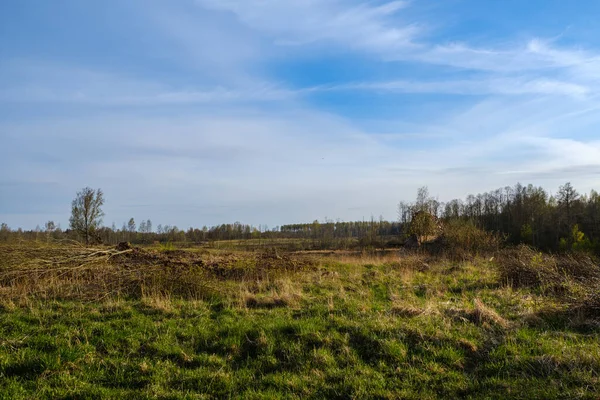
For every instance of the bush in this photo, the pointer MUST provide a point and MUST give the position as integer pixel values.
(577, 242)
(464, 237)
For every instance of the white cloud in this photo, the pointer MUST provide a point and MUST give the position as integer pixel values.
(365, 26)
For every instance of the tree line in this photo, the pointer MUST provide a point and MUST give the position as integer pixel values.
(528, 214)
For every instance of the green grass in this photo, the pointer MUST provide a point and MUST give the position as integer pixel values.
(352, 327)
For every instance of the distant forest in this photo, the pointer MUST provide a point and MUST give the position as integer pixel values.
(519, 214)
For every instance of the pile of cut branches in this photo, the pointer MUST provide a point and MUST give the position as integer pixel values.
(94, 273)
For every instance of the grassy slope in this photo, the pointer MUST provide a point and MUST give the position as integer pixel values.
(354, 327)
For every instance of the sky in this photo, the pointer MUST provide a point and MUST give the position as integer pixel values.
(201, 112)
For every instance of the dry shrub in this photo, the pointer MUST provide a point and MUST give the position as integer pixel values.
(588, 306)
(575, 278)
(462, 240)
(579, 266)
(526, 267)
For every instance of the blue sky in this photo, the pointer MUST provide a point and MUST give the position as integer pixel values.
(199, 112)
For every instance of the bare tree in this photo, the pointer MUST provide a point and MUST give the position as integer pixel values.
(404, 212)
(86, 212)
(423, 199)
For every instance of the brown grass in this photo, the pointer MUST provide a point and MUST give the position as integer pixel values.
(272, 301)
(482, 314)
(270, 294)
(159, 301)
(405, 311)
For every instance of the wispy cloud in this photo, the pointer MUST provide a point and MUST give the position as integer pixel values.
(365, 26)
(533, 55)
(56, 84)
(501, 86)
(38, 81)
(380, 28)
(523, 66)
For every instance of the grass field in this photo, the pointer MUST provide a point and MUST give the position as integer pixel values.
(102, 323)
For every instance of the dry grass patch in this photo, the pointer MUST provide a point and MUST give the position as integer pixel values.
(266, 294)
(481, 315)
(7, 305)
(406, 311)
(266, 301)
(158, 301)
(362, 259)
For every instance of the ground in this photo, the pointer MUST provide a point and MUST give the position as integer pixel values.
(196, 324)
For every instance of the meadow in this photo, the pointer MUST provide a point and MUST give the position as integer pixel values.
(158, 322)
